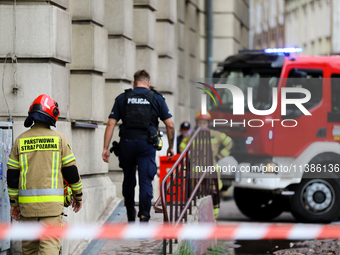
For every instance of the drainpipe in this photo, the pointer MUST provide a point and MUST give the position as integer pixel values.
(210, 34)
(251, 31)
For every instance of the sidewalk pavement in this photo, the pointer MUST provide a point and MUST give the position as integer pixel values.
(125, 247)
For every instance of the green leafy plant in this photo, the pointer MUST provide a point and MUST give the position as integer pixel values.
(184, 249)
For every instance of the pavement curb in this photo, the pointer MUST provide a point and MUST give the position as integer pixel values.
(112, 211)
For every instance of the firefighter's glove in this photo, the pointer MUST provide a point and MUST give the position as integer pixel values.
(67, 194)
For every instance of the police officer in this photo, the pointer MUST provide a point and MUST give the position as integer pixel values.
(139, 110)
(185, 131)
(40, 160)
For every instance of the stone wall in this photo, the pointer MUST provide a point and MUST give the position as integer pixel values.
(61, 49)
(84, 54)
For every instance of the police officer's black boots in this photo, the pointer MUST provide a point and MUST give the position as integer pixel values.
(131, 214)
(144, 219)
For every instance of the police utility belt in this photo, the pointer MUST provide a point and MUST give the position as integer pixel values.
(155, 140)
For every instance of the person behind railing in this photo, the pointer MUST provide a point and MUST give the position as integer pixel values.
(185, 131)
(220, 144)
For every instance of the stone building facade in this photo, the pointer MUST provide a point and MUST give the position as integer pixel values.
(84, 53)
(267, 24)
(309, 25)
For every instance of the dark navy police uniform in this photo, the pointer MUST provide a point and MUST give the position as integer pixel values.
(135, 150)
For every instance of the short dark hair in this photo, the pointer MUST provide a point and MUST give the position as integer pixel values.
(141, 75)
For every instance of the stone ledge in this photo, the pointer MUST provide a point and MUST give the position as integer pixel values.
(165, 39)
(144, 27)
(147, 59)
(87, 147)
(88, 10)
(122, 59)
(42, 31)
(62, 3)
(32, 80)
(89, 88)
(167, 10)
(167, 75)
(89, 48)
(119, 17)
(152, 4)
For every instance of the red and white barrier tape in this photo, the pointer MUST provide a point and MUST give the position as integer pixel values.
(243, 231)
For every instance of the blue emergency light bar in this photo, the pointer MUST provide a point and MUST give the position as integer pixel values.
(283, 50)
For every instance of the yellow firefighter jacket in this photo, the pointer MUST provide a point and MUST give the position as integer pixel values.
(220, 144)
(39, 154)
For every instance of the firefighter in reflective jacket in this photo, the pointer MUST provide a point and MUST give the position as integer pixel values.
(41, 159)
(220, 144)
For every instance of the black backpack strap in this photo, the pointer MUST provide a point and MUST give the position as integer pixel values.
(156, 92)
(127, 93)
(149, 96)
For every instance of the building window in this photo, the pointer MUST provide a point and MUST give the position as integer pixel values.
(296, 28)
(258, 19)
(282, 36)
(289, 29)
(273, 13)
(312, 20)
(328, 19)
(259, 42)
(273, 35)
(281, 12)
(319, 19)
(304, 25)
(265, 16)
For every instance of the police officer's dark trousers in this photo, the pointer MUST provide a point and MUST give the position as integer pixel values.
(133, 153)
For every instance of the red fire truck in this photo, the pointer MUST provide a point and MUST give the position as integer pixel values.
(285, 162)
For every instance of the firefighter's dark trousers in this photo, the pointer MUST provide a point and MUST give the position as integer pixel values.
(138, 153)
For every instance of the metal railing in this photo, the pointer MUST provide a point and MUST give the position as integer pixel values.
(183, 185)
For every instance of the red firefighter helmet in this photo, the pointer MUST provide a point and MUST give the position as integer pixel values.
(200, 116)
(46, 105)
